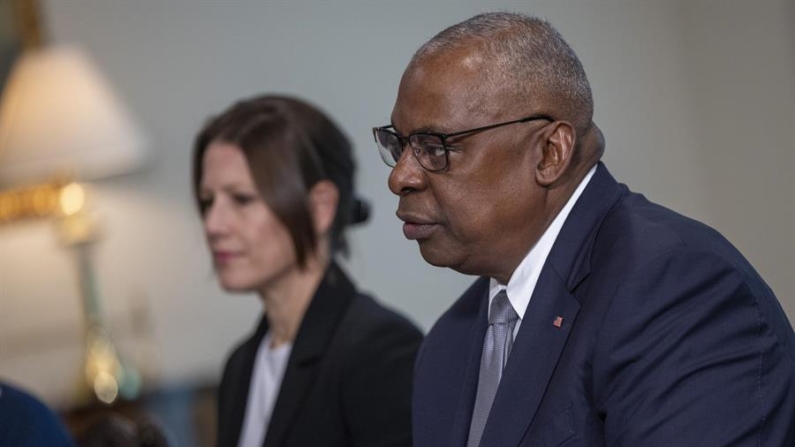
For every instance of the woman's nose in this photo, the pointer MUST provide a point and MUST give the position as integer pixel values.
(215, 220)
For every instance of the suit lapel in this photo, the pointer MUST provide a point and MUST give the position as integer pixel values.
(317, 329)
(534, 355)
(550, 316)
(229, 433)
(466, 400)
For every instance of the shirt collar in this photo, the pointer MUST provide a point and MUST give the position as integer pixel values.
(523, 281)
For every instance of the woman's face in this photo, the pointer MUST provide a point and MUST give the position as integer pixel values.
(251, 248)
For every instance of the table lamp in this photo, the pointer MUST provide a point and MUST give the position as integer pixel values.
(61, 124)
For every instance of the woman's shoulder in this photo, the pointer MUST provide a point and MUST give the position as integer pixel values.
(362, 316)
(368, 321)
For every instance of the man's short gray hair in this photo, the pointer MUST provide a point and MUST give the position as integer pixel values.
(528, 58)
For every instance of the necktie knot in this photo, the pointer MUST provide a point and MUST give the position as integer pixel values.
(502, 311)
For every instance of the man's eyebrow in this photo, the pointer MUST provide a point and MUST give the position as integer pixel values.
(422, 129)
(427, 129)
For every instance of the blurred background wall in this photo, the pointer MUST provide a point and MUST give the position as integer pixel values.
(696, 99)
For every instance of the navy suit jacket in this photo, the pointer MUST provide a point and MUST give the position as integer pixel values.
(668, 338)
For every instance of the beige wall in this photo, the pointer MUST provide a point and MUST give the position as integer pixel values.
(696, 98)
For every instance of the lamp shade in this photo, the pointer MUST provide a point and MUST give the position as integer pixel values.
(59, 116)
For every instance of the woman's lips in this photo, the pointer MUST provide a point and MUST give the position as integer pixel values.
(223, 257)
(416, 231)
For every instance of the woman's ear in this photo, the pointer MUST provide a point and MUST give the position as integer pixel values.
(323, 200)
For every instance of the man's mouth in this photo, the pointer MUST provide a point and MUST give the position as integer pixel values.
(416, 227)
(418, 231)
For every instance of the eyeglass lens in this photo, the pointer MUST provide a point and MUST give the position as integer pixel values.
(428, 149)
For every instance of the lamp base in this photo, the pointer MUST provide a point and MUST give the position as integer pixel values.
(107, 376)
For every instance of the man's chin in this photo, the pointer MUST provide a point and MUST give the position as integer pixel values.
(436, 256)
(447, 257)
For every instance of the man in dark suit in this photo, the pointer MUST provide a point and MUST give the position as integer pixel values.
(600, 318)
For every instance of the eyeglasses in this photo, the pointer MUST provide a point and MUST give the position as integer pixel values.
(429, 148)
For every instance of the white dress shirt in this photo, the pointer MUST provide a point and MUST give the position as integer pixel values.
(266, 379)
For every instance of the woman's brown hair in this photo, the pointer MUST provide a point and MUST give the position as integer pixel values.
(290, 146)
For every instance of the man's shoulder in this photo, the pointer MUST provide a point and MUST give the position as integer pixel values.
(621, 220)
(645, 246)
(637, 230)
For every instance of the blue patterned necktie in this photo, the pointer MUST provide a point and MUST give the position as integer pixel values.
(496, 348)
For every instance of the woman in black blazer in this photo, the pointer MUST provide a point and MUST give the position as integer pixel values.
(327, 365)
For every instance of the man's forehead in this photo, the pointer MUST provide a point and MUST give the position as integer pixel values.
(440, 90)
(466, 59)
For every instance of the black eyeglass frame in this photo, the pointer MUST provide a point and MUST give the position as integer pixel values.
(444, 136)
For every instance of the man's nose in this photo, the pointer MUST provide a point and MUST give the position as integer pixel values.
(407, 175)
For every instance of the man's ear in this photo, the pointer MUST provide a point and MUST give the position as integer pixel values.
(323, 200)
(557, 152)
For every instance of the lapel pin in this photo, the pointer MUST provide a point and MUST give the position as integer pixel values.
(558, 321)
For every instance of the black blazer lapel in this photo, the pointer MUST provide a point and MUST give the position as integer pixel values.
(233, 407)
(550, 315)
(317, 329)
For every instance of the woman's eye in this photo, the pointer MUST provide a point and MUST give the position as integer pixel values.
(204, 205)
(243, 199)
